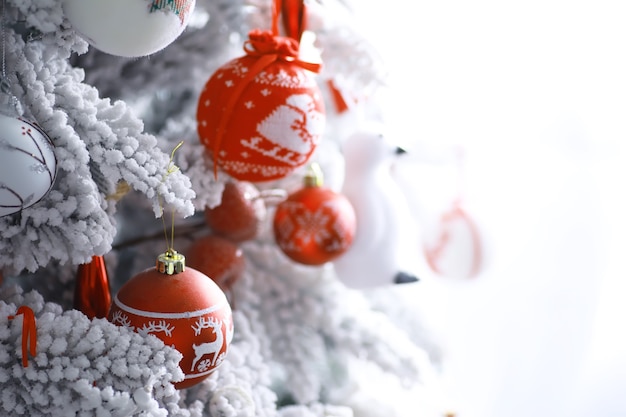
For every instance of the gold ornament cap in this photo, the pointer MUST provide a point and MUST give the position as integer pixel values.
(170, 262)
(314, 176)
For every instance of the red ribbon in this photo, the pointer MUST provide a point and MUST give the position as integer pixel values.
(280, 48)
(29, 332)
(294, 18)
(341, 105)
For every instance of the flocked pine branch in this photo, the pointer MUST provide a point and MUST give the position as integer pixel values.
(82, 366)
(213, 36)
(91, 367)
(311, 317)
(98, 145)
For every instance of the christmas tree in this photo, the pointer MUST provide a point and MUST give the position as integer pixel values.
(304, 342)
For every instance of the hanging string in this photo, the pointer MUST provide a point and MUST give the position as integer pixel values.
(294, 18)
(170, 169)
(459, 152)
(276, 6)
(29, 332)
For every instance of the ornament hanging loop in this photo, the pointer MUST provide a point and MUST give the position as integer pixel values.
(170, 262)
(29, 332)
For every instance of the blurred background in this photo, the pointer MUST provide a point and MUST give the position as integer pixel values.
(534, 93)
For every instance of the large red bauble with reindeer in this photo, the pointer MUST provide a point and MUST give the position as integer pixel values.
(261, 116)
(184, 308)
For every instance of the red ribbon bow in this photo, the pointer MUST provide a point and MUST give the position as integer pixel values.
(278, 47)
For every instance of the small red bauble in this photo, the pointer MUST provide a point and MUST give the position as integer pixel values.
(218, 258)
(239, 215)
(315, 224)
(184, 308)
(261, 116)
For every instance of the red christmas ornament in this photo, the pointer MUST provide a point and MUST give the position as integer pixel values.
(181, 306)
(239, 215)
(92, 295)
(261, 116)
(315, 224)
(218, 258)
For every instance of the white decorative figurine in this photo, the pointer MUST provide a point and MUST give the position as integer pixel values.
(385, 248)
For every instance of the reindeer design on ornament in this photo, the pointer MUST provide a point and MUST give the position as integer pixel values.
(214, 347)
(154, 327)
(291, 146)
(148, 328)
(122, 319)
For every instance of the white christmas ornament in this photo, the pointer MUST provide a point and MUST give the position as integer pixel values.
(385, 243)
(27, 164)
(129, 28)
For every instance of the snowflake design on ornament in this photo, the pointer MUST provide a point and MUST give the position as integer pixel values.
(180, 8)
(339, 227)
(204, 365)
(304, 226)
(313, 226)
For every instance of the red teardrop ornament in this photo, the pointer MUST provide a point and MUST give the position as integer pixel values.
(92, 295)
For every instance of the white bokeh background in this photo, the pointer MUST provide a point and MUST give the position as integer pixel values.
(535, 93)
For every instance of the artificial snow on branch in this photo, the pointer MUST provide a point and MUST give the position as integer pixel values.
(98, 144)
(82, 366)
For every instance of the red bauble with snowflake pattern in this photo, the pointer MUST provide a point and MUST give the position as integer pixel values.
(184, 308)
(314, 225)
(262, 115)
